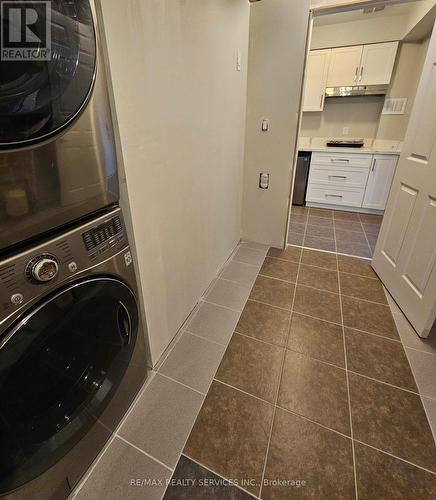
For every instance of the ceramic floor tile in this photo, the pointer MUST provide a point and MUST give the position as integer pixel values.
(392, 420)
(319, 221)
(303, 451)
(350, 237)
(191, 481)
(317, 303)
(315, 390)
(295, 238)
(230, 435)
(193, 361)
(321, 232)
(299, 218)
(297, 228)
(362, 288)
(351, 248)
(371, 218)
(242, 273)
(354, 265)
(349, 225)
(296, 209)
(162, 419)
(228, 294)
(319, 259)
(424, 368)
(321, 212)
(318, 278)
(317, 339)
(379, 358)
(369, 317)
(340, 215)
(289, 253)
(252, 366)
(430, 409)
(319, 243)
(264, 322)
(116, 474)
(371, 228)
(214, 323)
(380, 476)
(273, 292)
(249, 256)
(280, 269)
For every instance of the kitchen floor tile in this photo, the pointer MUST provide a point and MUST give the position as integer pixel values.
(295, 238)
(369, 317)
(319, 243)
(350, 237)
(321, 212)
(315, 390)
(380, 476)
(296, 209)
(264, 322)
(252, 366)
(273, 292)
(121, 464)
(379, 358)
(214, 323)
(392, 420)
(318, 278)
(372, 239)
(204, 358)
(191, 481)
(354, 265)
(339, 215)
(231, 434)
(280, 269)
(162, 418)
(371, 228)
(320, 232)
(317, 303)
(424, 368)
(303, 451)
(430, 409)
(298, 218)
(289, 253)
(297, 228)
(319, 259)
(319, 221)
(228, 294)
(249, 256)
(360, 287)
(317, 339)
(351, 248)
(371, 218)
(242, 273)
(349, 225)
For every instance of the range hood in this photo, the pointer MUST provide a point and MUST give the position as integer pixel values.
(357, 90)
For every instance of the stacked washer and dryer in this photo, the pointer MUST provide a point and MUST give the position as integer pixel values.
(73, 352)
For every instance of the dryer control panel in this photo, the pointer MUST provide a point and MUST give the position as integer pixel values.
(100, 238)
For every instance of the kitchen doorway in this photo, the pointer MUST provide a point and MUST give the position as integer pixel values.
(362, 72)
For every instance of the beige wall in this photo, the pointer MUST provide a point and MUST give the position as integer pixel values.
(180, 106)
(278, 30)
(405, 81)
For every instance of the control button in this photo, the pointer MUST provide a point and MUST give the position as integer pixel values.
(113, 242)
(72, 266)
(93, 255)
(121, 237)
(17, 299)
(103, 248)
(43, 269)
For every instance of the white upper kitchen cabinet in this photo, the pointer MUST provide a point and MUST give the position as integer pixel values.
(377, 63)
(379, 182)
(344, 66)
(316, 79)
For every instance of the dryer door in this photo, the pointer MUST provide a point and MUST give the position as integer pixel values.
(60, 366)
(47, 67)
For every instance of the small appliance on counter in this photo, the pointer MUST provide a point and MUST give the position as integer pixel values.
(340, 143)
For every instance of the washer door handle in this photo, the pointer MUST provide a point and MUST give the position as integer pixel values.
(124, 323)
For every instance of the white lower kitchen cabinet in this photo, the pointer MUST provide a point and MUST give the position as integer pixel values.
(379, 183)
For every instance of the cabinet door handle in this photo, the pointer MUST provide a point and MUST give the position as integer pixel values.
(374, 164)
(333, 160)
(361, 73)
(337, 176)
(357, 72)
(333, 196)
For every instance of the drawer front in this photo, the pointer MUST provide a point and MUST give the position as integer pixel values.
(339, 176)
(345, 160)
(349, 197)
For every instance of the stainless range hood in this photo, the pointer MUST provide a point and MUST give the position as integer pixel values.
(358, 90)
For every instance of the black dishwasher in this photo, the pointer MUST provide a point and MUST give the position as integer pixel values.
(301, 176)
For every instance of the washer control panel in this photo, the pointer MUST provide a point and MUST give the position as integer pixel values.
(100, 238)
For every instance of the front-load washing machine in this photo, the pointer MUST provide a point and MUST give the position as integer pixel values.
(57, 151)
(73, 356)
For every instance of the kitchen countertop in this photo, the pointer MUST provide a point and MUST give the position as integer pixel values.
(371, 146)
(326, 149)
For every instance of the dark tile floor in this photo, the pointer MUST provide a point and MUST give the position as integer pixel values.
(349, 233)
(314, 397)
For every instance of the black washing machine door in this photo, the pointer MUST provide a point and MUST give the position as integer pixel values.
(59, 368)
(47, 70)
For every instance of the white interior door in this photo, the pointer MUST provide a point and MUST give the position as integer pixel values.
(405, 255)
